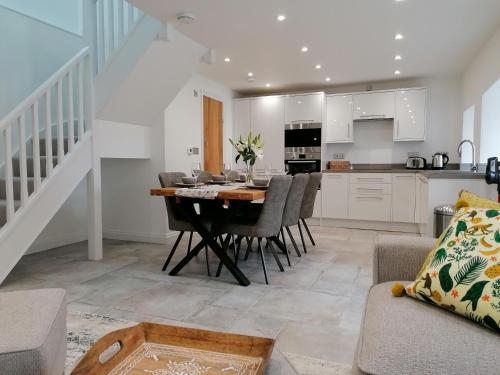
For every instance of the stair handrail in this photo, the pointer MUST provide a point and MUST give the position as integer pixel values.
(79, 65)
(40, 91)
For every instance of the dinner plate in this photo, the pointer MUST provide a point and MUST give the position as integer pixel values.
(252, 186)
(217, 182)
(187, 185)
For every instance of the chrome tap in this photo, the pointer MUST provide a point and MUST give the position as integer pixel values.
(474, 167)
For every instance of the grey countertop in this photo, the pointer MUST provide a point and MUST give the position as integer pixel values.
(452, 171)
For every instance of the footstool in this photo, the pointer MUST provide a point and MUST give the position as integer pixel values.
(33, 332)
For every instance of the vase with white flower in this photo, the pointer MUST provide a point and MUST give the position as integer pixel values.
(249, 148)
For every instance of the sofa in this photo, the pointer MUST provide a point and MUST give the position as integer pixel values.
(406, 336)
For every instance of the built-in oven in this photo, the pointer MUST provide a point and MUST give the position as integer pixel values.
(302, 148)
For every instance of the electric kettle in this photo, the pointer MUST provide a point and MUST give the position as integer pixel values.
(439, 160)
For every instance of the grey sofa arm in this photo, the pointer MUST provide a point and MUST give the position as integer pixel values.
(399, 257)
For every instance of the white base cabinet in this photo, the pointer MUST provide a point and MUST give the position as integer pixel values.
(335, 196)
(403, 198)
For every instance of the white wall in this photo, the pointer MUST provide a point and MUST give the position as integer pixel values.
(373, 139)
(184, 122)
(31, 52)
(479, 76)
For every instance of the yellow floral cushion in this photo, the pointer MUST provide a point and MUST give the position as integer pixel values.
(468, 199)
(463, 274)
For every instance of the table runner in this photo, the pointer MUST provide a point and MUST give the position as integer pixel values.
(206, 191)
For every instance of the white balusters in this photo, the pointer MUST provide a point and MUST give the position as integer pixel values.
(14, 125)
(48, 135)
(81, 99)
(9, 178)
(23, 168)
(113, 27)
(35, 135)
(71, 116)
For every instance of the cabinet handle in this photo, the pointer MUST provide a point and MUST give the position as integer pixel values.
(332, 175)
(370, 198)
(403, 177)
(397, 128)
(348, 130)
(382, 116)
(371, 179)
(370, 189)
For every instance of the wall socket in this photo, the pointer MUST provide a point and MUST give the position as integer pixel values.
(192, 150)
(338, 156)
(413, 154)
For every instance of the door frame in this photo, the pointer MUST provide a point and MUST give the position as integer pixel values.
(226, 128)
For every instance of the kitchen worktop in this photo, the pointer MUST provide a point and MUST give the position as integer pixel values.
(452, 171)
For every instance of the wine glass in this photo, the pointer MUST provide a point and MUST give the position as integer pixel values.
(268, 170)
(196, 171)
(226, 169)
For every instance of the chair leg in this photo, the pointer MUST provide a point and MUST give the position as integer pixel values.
(190, 240)
(293, 242)
(208, 264)
(308, 232)
(302, 237)
(238, 247)
(172, 251)
(259, 240)
(225, 245)
(234, 247)
(278, 262)
(249, 247)
(284, 239)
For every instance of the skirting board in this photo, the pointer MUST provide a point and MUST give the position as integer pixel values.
(371, 225)
(138, 237)
(56, 241)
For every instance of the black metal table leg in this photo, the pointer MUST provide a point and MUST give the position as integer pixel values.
(187, 207)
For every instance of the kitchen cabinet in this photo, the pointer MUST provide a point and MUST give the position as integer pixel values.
(339, 119)
(335, 195)
(373, 105)
(410, 120)
(267, 119)
(421, 198)
(403, 198)
(304, 108)
(370, 196)
(241, 117)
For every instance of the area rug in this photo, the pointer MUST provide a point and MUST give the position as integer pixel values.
(84, 329)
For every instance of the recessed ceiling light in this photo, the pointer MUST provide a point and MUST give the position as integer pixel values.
(304, 49)
(281, 17)
(227, 59)
(318, 66)
(398, 57)
(268, 85)
(398, 36)
(327, 79)
(397, 72)
(250, 74)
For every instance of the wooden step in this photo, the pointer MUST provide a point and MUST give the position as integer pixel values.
(17, 188)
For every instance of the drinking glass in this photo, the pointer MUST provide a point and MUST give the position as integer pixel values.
(268, 170)
(226, 168)
(196, 171)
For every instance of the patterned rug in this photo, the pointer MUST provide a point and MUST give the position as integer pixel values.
(84, 329)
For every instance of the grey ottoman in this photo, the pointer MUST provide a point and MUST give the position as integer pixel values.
(33, 332)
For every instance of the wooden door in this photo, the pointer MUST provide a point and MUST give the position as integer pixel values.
(213, 132)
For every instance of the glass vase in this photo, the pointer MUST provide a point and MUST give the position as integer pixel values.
(248, 173)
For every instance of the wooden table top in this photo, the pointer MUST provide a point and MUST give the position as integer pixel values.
(234, 195)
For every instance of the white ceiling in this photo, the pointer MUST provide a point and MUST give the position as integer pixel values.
(353, 40)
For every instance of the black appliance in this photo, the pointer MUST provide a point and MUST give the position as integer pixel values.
(493, 173)
(302, 148)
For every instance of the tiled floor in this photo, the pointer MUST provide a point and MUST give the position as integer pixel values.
(313, 309)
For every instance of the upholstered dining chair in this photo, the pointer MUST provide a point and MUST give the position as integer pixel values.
(307, 208)
(291, 213)
(266, 224)
(175, 220)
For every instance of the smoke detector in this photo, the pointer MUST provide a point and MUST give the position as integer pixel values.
(186, 18)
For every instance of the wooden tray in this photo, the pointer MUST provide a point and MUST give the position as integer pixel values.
(149, 348)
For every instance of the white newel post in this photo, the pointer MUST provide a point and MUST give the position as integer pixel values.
(94, 204)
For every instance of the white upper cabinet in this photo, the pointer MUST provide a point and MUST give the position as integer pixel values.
(373, 105)
(241, 117)
(268, 120)
(409, 124)
(304, 108)
(338, 119)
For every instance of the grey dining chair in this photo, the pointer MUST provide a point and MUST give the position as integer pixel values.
(291, 213)
(266, 224)
(175, 220)
(204, 177)
(307, 208)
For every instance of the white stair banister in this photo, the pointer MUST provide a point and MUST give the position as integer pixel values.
(48, 134)
(71, 116)
(21, 123)
(81, 99)
(60, 122)
(9, 179)
(35, 134)
(110, 28)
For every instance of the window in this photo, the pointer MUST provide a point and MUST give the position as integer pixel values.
(468, 133)
(490, 123)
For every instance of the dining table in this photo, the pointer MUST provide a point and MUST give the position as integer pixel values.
(228, 194)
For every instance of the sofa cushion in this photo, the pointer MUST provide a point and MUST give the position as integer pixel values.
(33, 332)
(463, 273)
(404, 336)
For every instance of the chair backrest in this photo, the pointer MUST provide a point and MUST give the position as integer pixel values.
(291, 213)
(204, 177)
(307, 208)
(170, 179)
(269, 222)
(233, 175)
